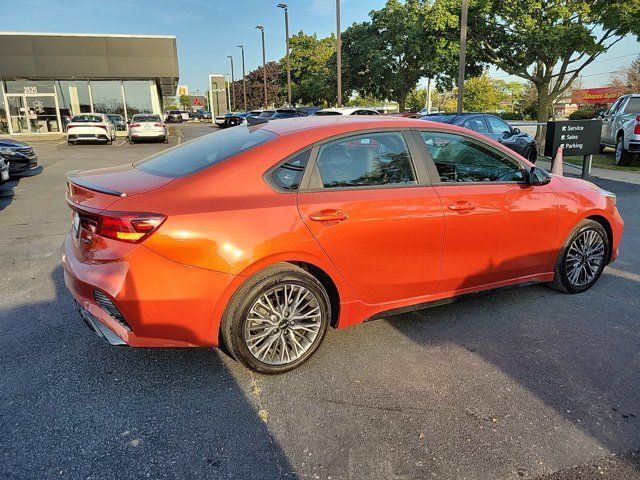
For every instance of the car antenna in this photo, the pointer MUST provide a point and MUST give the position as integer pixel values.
(256, 121)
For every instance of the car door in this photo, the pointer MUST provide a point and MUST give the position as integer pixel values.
(607, 122)
(367, 203)
(497, 226)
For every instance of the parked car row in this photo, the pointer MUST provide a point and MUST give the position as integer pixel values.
(16, 158)
(179, 116)
(98, 127)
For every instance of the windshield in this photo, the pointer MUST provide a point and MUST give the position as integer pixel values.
(203, 152)
(266, 114)
(439, 118)
(145, 118)
(86, 119)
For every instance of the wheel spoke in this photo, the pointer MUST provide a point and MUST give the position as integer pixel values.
(585, 258)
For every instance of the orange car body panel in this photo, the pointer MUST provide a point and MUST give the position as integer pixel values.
(397, 248)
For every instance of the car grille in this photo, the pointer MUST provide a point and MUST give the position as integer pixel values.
(25, 150)
(107, 305)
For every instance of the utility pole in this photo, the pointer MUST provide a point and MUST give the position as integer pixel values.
(338, 53)
(264, 65)
(228, 93)
(233, 88)
(463, 51)
(244, 79)
(427, 100)
(286, 28)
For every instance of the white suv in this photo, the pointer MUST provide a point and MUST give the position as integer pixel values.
(621, 128)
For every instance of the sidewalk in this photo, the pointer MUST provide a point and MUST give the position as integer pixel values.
(604, 173)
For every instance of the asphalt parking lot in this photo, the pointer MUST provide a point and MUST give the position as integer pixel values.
(526, 383)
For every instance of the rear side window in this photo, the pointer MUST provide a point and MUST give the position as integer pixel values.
(203, 152)
(367, 160)
(289, 174)
(633, 106)
(86, 119)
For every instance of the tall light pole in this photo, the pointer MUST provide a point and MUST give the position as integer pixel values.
(264, 65)
(233, 88)
(244, 79)
(228, 93)
(463, 51)
(338, 53)
(286, 29)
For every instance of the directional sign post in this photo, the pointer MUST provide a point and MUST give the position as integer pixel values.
(577, 138)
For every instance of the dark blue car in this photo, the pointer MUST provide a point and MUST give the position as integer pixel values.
(21, 156)
(494, 127)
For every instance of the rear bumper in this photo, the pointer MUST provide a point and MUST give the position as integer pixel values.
(164, 304)
(88, 137)
(148, 134)
(99, 328)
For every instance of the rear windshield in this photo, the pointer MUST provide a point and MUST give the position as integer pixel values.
(86, 119)
(328, 112)
(145, 118)
(203, 152)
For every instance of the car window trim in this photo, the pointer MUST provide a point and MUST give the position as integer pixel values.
(433, 170)
(311, 176)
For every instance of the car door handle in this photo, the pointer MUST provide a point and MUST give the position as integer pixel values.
(328, 216)
(462, 205)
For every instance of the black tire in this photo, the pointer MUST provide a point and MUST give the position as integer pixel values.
(601, 149)
(561, 279)
(236, 313)
(70, 143)
(165, 140)
(622, 158)
(131, 141)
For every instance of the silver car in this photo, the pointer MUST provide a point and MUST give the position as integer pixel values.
(147, 126)
(621, 128)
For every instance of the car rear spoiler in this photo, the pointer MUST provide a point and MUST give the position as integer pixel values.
(72, 177)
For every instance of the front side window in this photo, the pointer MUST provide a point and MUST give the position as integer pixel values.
(203, 152)
(498, 126)
(372, 159)
(465, 160)
(633, 105)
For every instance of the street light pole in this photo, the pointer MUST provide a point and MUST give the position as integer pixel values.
(233, 88)
(264, 65)
(286, 28)
(338, 53)
(244, 79)
(463, 51)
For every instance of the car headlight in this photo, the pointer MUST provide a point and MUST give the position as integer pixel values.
(609, 195)
(6, 150)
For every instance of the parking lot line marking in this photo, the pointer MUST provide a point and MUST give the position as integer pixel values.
(121, 143)
(622, 274)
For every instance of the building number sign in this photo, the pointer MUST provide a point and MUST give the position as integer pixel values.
(30, 89)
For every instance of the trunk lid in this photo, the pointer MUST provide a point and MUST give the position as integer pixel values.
(100, 188)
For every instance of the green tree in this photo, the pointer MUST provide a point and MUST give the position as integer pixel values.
(548, 42)
(169, 103)
(312, 81)
(185, 101)
(628, 78)
(403, 42)
(255, 88)
(481, 94)
(416, 99)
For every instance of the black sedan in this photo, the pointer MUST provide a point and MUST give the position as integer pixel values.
(493, 127)
(21, 156)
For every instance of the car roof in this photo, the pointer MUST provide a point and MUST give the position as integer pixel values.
(339, 123)
(346, 110)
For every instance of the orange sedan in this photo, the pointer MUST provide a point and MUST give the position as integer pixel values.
(263, 236)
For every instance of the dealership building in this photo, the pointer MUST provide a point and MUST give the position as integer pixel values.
(46, 78)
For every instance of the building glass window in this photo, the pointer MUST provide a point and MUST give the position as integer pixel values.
(107, 96)
(141, 97)
(73, 98)
(29, 86)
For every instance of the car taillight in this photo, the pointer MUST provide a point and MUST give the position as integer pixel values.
(636, 129)
(104, 127)
(129, 226)
(158, 124)
(134, 125)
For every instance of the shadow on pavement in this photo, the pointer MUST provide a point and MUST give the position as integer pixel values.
(120, 412)
(7, 192)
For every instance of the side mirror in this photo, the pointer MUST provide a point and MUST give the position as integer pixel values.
(516, 131)
(538, 176)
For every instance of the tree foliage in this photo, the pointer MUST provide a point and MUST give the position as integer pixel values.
(312, 80)
(403, 42)
(548, 42)
(255, 88)
(628, 78)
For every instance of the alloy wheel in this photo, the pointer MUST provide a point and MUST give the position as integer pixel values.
(585, 258)
(283, 324)
(618, 154)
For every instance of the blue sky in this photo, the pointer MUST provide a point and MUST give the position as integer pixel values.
(209, 30)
